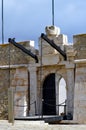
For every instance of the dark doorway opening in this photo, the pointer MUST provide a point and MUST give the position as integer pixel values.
(49, 96)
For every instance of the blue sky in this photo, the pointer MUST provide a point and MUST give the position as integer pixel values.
(27, 19)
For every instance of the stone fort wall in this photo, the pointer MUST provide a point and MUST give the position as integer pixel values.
(15, 65)
(10, 56)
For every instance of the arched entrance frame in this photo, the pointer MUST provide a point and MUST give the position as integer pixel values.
(58, 75)
(67, 72)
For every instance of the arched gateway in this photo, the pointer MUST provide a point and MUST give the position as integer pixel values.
(54, 95)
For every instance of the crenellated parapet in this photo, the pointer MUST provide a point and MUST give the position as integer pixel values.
(80, 46)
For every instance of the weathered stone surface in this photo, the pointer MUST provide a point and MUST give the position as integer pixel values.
(80, 46)
(3, 106)
(10, 54)
(80, 94)
(37, 125)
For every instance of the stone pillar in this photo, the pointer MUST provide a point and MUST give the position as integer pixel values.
(33, 90)
(80, 92)
(70, 87)
(11, 105)
(57, 79)
(20, 83)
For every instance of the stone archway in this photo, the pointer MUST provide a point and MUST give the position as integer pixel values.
(49, 96)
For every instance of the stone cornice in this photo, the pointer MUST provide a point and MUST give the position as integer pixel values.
(13, 66)
(80, 61)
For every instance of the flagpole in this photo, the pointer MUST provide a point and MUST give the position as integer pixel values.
(53, 12)
(2, 25)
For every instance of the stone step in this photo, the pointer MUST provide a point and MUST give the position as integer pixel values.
(37, 125)
(41, 118)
